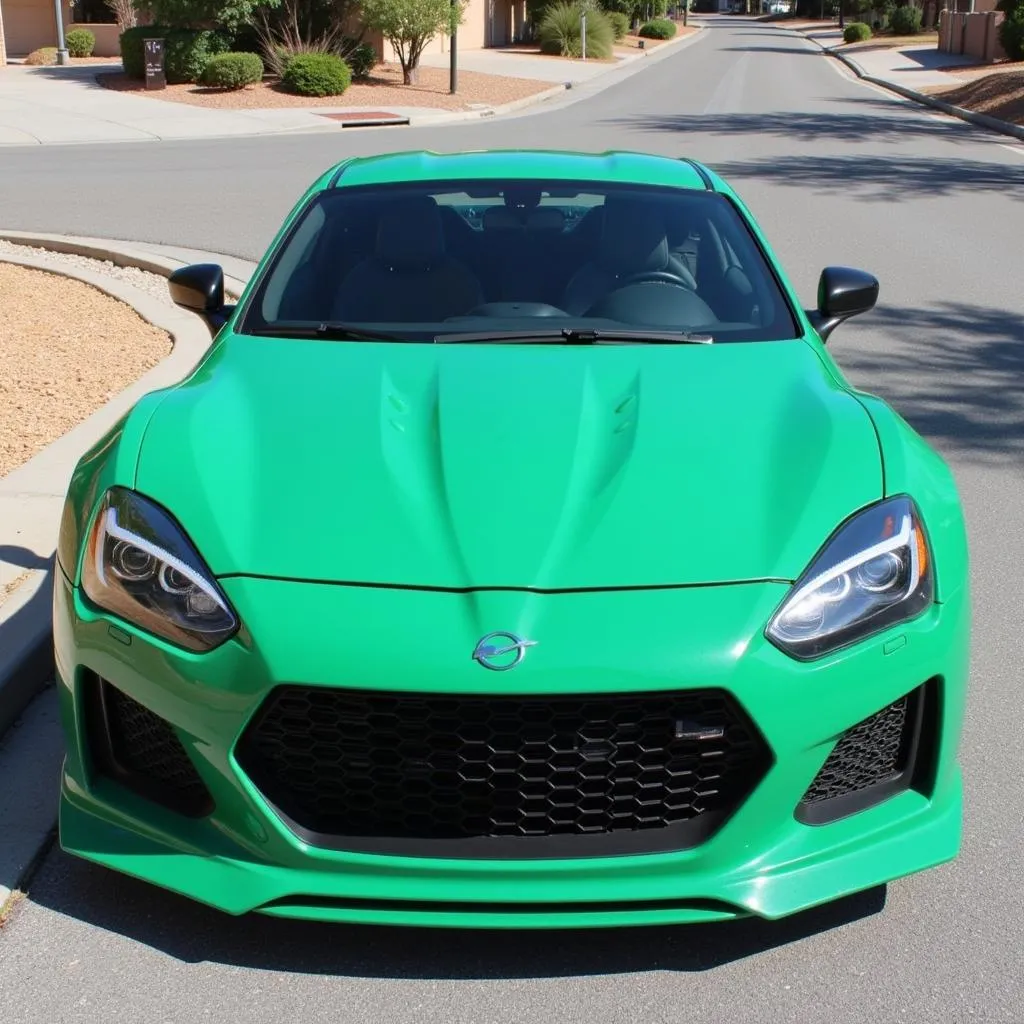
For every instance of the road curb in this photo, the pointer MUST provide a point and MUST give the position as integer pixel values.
(981, 120)
(121, 254)
(34, 492)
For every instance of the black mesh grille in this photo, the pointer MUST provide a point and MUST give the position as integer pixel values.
(870, 762)
(385, 767)
(866, 755)
(142, 751)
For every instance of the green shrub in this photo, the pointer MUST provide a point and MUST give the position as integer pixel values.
(620, 24)
(44, 55)
(186, 51)
(360, 57)
(80, 42)
(559, 32)
(227, 15)
(1011, 31)
(316, 74)
(232, 71)
(659, 28)
(905, 21)
(856, 32)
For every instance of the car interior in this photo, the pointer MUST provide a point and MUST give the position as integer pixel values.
(519, 251)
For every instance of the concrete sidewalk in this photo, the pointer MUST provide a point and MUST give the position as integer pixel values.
(909, 71)
(62, 105)
(916, 67)
(51, 105)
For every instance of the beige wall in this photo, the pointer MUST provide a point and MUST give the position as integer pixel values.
(974, 35)
(30, 24)
(108, 38)
(3, 47)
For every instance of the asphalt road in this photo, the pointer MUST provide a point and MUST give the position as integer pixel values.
(838, 173)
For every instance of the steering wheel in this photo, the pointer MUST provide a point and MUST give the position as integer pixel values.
(662, 277)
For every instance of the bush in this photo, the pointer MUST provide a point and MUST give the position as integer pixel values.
(316, 74)
(856, 32)
(186, 52)
(229, 15)
(80, 42)
(232, 71)
(660, 28)
(360, 57)
(1011, 31)
(905, 21)
(620, 24)
(44, 55)
(559, 32)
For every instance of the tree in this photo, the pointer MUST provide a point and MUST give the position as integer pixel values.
(202, 14)
(408, 25)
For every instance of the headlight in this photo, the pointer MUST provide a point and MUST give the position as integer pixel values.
(140, 565)
(874, 572)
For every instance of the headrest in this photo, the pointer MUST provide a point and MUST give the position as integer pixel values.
(409, 233)
(501, 218)
(545, 218)
(633, 238)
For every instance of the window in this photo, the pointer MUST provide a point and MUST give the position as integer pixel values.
(424, 259)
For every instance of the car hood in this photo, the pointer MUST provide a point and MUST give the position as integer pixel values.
(552, 467)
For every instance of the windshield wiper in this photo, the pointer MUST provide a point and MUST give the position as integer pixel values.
(329, 331)
(579, 336)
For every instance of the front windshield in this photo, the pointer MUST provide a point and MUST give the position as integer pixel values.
(427, 259)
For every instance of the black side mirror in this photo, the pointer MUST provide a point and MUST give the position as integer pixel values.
(199, 288)
(842, 293)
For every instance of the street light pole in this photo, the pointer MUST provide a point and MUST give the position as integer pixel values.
(453, 69)
(62, 51)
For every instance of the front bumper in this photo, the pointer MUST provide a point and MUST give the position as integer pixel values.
(763, 861)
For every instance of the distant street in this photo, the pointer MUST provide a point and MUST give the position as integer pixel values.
(837, 172)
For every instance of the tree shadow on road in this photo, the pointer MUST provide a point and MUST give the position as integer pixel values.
(954, 371)
(193, 933)
(874, 178)
(869, 120)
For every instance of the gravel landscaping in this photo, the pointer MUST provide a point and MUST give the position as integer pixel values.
(68, 348)
(383, 89)
(998, 94)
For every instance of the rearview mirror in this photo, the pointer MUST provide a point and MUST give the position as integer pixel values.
(843, 292)
(199, 288)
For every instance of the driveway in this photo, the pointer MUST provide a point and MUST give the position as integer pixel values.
(837, 172)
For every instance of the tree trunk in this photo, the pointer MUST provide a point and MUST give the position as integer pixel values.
(410, 74)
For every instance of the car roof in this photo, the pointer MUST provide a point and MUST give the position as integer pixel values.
(612, 166)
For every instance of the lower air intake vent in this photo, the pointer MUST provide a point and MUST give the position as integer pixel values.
(138, 749)
(503, 776)
(874, 760)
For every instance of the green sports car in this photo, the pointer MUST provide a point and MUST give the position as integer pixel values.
(517, 556)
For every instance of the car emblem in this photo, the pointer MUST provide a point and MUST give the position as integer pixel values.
(500, 656)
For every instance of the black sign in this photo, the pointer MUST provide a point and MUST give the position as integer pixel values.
(156, 75)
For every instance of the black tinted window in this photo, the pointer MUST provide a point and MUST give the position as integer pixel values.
(430, 258)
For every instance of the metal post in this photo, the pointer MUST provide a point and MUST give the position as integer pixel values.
(583, 33)
(453, 70)
(62, 50)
